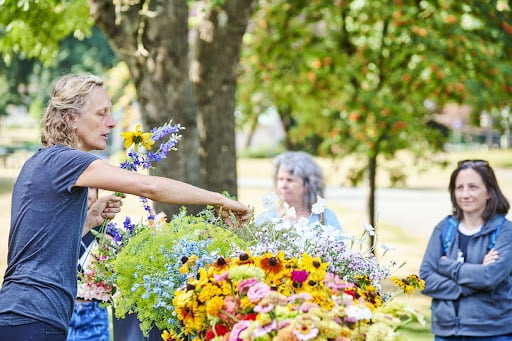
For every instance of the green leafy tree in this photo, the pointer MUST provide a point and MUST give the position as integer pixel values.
(354, 77)
(34, 29)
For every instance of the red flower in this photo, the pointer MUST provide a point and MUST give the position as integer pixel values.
(351, 293)
(250, 317)
(220, 330)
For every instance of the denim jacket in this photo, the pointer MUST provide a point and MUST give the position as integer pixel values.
(469, 298)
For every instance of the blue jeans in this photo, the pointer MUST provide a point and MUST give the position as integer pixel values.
(89, 322)
(507, 337)
(37, 331)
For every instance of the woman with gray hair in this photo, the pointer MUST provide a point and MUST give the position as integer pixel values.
(299, 183)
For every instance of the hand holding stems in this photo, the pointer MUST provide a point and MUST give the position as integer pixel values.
(234, 212)
(103, 209)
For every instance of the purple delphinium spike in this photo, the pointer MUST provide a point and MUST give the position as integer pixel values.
(128, 225)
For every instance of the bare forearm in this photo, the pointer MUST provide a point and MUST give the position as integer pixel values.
(176, 192)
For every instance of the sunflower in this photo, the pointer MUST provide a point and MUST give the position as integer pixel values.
(219, 266)
(274, 266)
(188, 262)
(409, 283)
(137, 138)
(244, 258)
(314, 266)
(200, 280)
(170, 335)
(371, 295)
(192, 315)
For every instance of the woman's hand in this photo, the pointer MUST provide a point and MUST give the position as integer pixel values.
(490, 257)
(105, 207)
(233, 208)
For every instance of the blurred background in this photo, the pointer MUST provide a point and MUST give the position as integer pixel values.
(387, 95)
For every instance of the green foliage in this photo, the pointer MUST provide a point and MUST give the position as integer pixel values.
(356, 74)
(367, 77)
(35, 28)
(148, 267)
(27, 80)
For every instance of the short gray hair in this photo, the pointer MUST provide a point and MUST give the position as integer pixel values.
(303, 165)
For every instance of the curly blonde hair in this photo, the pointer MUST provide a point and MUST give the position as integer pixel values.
(66, 100)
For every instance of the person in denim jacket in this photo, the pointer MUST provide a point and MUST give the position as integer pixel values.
(469, 277)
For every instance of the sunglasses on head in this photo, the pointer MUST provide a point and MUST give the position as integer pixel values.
(472, 163)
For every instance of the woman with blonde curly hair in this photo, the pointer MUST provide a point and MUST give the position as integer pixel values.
(49, 207)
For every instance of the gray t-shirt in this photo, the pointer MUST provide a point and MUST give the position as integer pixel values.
(47, 219)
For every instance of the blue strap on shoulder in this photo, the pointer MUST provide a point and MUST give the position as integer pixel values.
(448, 233)
(451, 226)
(495, 233)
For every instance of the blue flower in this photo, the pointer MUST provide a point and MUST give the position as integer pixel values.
(113, 231)
(128, 225)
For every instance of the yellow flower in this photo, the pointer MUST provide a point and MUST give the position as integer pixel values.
(209, 291)
(192, 315)
(274, 266)
(219, 266)
(225, 288)
(245, 303)
(314, 266)
(370, 295)
(322, 298)
(170, 336)
(214, 305)
(201, 280)
(409, 283)
(329, 328)
(181, 298)
(187, 263)
(244, 258)
(137, 137)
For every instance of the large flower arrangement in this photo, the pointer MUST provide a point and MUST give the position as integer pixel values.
(294, 282)
(195, 277)
(271, 297)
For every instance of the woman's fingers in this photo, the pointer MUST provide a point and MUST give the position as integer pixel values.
(490, 257)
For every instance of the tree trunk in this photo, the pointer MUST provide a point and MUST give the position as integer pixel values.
(156, 49)
(285, 113)
(372, 175)
(218, 55)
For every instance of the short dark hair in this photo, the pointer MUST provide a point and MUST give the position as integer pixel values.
(497, 203)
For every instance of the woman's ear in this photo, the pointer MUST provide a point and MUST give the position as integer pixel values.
(72, 119)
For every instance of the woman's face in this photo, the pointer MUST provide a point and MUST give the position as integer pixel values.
(95, 121)
(470, 192)
(290, 188)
